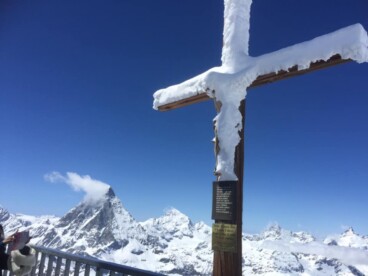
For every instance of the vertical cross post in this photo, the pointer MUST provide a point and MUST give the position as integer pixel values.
(234, 56)
(230, 263)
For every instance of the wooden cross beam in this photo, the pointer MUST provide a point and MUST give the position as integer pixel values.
(261, 80)
(227, 85)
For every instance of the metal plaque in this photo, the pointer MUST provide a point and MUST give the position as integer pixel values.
(224, 237)
(224, 200)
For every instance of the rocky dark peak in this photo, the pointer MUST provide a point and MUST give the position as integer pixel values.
(332, 242)
(110, 193)
(4, 214)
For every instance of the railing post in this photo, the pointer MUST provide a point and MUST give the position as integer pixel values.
(58, 266)
(49, 265)
(33, 271)
(42, 264)
(67, 267)
(99, 271)
(76, 268)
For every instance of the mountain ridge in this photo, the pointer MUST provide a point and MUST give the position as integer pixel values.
(172, 244)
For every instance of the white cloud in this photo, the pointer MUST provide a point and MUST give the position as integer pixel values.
(54, 177)
(94, 189)
(347, 255)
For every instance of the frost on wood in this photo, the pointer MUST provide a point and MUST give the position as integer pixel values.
(228, 83)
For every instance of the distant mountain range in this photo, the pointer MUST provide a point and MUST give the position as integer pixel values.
(173, 245)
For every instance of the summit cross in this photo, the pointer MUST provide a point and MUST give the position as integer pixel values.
(227, 85)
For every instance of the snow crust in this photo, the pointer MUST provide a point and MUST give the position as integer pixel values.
(229, 82)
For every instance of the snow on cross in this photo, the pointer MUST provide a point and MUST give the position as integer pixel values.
(228, 83)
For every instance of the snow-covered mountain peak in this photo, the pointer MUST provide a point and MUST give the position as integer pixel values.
(175, 219)
(349, 232)
(273, 232)
(202, 227)
(351, 239)
(173, 224)
(173, 245)
(94, 228)
(175, 214)
(302, 237)
(276, 232)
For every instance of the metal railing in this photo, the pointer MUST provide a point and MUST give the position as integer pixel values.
(51, 262)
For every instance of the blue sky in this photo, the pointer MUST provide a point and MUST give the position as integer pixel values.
(76, 85)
